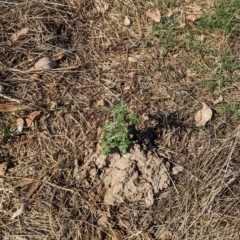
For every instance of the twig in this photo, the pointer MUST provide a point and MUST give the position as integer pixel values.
(56, 186)
(87, 86)
(9, 98)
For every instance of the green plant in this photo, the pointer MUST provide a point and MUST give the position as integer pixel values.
(6, 131)
(118, 130)
(167, 34)
(223, 18)
(229, 62)
(213, 84)
(231, 110)
(224, 81)
(197, 46)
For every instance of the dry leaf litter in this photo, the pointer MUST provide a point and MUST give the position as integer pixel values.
(127, 21)
(45, 63)
(20, 210)
(218, 100)
(15, 36)
(154, 15)
(203, 115)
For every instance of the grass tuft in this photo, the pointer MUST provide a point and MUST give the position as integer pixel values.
(223, 18)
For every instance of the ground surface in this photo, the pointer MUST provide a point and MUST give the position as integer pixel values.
(163, 71)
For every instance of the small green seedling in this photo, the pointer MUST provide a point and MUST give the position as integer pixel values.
(7, 132)
(118, 130)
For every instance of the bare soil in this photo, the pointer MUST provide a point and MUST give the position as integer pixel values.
(131, 177)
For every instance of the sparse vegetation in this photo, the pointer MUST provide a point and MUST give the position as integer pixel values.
(224, 17)
(231, 110)
(164, 70)
(6, 131)
(118, 130)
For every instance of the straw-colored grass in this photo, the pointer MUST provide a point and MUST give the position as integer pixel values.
(178, 63)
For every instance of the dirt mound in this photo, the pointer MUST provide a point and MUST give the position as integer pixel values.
(131, 177)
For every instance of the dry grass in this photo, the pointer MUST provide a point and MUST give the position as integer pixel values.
(174, 71)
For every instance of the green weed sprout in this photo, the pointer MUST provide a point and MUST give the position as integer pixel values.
(118, 130)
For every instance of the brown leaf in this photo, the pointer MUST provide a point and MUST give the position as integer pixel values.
(30, 118)
(177, 169)
(24, 182)
(12, 107)
(19, 123)
(32, 188)
(131, 75)
(127, 21)
(220, 99)
(20, 210)
(16, 35)
(100, 103)
(154, 15)
(45, 63)
(203, 115)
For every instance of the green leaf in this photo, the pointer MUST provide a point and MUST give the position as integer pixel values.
(117, 130)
